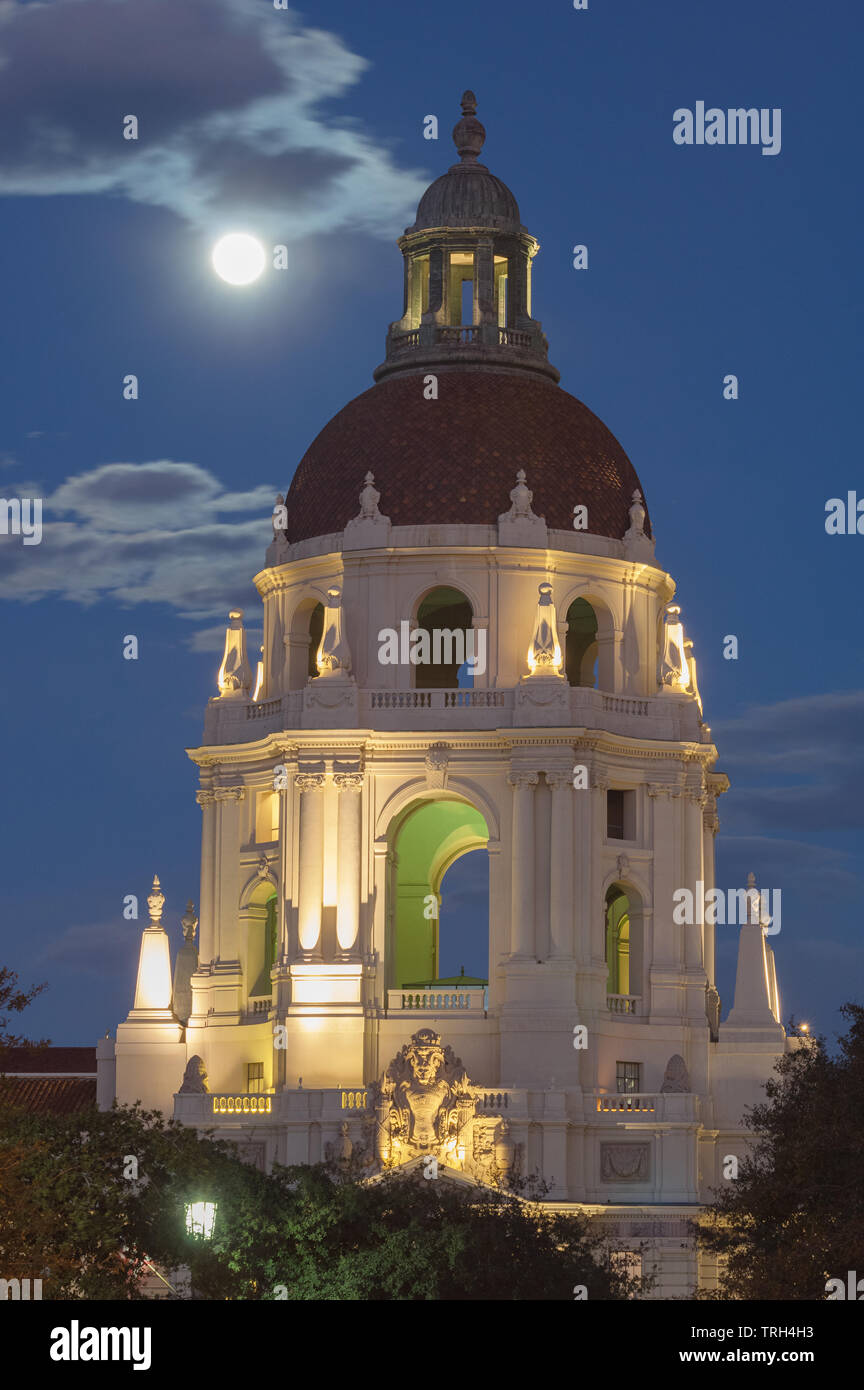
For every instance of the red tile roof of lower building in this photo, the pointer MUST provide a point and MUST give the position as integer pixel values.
(49, 1095)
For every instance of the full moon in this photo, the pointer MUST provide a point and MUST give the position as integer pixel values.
(238, 258)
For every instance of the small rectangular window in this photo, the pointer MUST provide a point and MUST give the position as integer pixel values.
(628, 1077)
(266, 818)
(254, 1078)
(620, 814)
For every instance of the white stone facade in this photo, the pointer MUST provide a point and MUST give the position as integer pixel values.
(353, 749)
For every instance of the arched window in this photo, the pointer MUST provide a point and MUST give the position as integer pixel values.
(303, 641)
(261, 945)
(581, 645)
(624, 932)
(618, 941)
(447, 617)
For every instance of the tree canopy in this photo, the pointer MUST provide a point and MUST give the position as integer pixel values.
(794, 1217)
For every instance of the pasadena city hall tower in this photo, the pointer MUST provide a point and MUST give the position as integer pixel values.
(468, 646)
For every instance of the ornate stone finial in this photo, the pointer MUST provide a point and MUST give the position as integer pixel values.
(189, 923)
(333, 657)
(694, 685)
(469, 134)
(235, 673)
(369, 499)
(637, 515)
(521, 497)
(674, 672)
(544, 653)
(155, 903)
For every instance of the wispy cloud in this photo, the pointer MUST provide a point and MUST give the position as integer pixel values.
(159, 532)
(802, 761)
(228, 95)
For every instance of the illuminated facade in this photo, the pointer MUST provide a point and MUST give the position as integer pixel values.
(556, 729)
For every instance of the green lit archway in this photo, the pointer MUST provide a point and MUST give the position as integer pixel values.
(426, 839)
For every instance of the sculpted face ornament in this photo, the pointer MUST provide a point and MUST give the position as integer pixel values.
(426, 1106)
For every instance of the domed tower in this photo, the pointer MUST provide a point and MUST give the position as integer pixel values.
(469, 646)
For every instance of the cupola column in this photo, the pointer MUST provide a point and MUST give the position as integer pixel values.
(438, 270)
(484, 282)
(523, 896)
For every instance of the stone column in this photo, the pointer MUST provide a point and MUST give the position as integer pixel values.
(667, 872)
(484, 281)
(561, 868)
(599, 788)
(693, 872)
(207, 940)
(350, 814)
(522, 907)
(710, 826)
(227, 871)
(439, 267)
(311, 865)
(286, 851)
(584, 851)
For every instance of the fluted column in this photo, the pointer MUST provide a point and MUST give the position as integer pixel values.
(693, 873)
(227, 871)
(311, 866)
(207, 941)
(350, 786)
(561, 867)
(666, 843)
(710, 825)
(599, 788)
(522, 921)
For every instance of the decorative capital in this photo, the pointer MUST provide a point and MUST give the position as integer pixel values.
(236, 793)
(349, 781)
(600, 779)
(205, 797)
(560, 780)
(523, 779)
(309, 781)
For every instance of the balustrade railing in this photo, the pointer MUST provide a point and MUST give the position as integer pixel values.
(626, 1104)
(622, 1003)
(436, 1001)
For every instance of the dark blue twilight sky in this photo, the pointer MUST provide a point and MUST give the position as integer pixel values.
(305, 127)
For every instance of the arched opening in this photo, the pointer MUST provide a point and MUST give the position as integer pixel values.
(425, 842)
(580, 661)
(618, 942)
(623, 921)
(590, 644)
(260, 919)
(304, 638)
(446, 616)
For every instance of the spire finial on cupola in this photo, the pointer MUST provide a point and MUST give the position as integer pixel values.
(469, 134)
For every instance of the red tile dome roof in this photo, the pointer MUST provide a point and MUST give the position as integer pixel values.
(455, 459)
